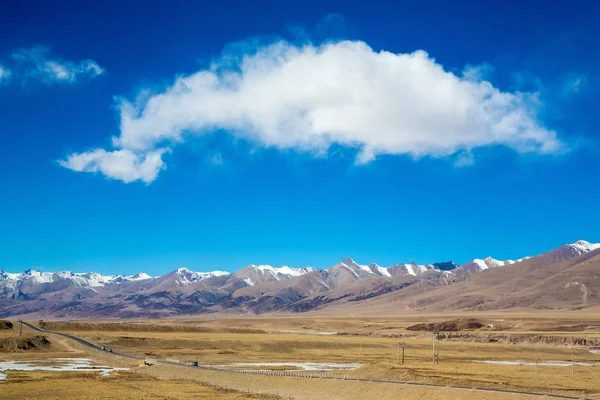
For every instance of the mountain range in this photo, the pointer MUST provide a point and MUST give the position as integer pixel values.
(564, 278)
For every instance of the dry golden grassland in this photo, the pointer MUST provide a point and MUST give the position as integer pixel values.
(122, 385)
(372, 342)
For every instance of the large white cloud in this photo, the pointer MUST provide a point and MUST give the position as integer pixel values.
(310, 97)
(38, 63)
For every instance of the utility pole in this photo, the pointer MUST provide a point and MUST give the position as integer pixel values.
(402, 352)
(536, 361)
(436, 350)
(398, 354)
(20, 327)
(572, 364)
(433, 348)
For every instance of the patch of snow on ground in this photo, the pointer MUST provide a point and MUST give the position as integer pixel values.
(531, 364)
(310, 332)
(307, 366)
(410, 269)
(70, 365)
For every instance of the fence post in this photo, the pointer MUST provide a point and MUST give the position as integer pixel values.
(536, 361)
(402, 352)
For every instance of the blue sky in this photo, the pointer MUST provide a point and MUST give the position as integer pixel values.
(215, 135)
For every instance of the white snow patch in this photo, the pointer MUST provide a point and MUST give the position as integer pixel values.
(323, 283)
(186, 276)
(306, 366)
(384, 271)
(350, 269)
(364, 268)
(410, 270)
(581, 246)
(64, 364)
(422, 268)
(283, 270)
(531, 364)
(480, 263)
(249, 282)
(82, 279)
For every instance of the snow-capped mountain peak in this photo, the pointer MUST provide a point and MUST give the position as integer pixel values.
(479, 264)
(288, 272)
(186, 276)
(254, 274)
(379, 270)
(33, 277)
(355, 267)
(583, 246)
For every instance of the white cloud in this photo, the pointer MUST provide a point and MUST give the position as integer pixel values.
(4, 74)
(311, 97)
(38, 64)
(123, 165)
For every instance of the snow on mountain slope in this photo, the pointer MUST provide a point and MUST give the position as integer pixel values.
(411, 269)
(254, 274)
(185, 277)
(84, 279)
(487, 263)
(379, 270)
(282, 272)
(481, 265)
(581, 246)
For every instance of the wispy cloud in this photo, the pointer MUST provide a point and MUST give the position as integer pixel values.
(216, 159)
(311, 97)
(4, 74)
(464, 159)
(572, 84)
(479, 72)
(38, 63)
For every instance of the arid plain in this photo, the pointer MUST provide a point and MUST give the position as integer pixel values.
(322, 355)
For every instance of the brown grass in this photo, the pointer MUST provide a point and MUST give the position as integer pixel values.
(26, 343)
(55, 385)
(448, 326)
(58, 326)
(4, 324)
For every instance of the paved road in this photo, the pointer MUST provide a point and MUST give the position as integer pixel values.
(290, 373)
